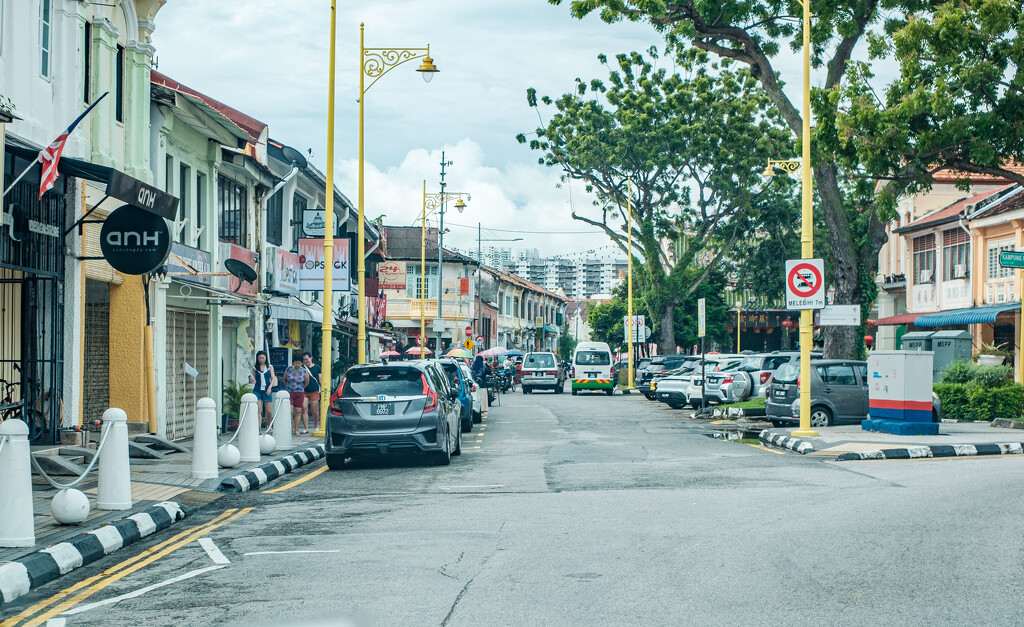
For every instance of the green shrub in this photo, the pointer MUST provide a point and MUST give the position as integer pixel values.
(992, 376)
(972, 401)
(959, 371)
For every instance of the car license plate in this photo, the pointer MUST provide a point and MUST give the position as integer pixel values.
(383, 409)
(779, 393)
(593, 375)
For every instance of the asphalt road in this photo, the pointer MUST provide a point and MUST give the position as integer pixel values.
(588, 510)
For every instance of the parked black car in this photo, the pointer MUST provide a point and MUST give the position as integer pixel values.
(382, 409)
(659, 365)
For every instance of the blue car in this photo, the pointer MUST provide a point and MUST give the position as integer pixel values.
(464, 386)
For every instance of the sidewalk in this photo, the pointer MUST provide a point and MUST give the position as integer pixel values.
(851, 442)
(153, 481)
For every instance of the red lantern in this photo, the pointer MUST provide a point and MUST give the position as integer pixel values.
(868, 341)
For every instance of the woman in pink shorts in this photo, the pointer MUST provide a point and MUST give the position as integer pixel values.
(296, 378)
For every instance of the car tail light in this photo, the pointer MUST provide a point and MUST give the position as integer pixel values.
(765, 377)
(336, 397)
(798, 381)
(727, 380)
(552, 372)
(431, 396)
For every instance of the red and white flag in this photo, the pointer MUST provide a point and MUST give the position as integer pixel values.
(50, 156)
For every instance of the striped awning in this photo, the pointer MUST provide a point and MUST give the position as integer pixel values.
(904, 318)
(970, 315)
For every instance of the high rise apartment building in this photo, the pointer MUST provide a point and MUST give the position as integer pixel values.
(579, 278)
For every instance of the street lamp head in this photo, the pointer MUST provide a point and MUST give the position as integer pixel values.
(427, 69)
(768, 170)
(739, 304)
(460, 204)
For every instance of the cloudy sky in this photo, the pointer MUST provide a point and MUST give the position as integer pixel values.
(268, 58)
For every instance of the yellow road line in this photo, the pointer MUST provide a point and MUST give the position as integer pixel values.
(764, 448)
(93, 588)
(81, 584)
(289, 486)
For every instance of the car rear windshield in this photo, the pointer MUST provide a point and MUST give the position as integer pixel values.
(593, 358)
(751, 364)
(390, 381)
(539, 361)
(788, 372)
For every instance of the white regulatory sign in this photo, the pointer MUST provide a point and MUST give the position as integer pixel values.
(805, 280)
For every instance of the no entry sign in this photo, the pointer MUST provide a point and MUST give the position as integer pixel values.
(805, 279)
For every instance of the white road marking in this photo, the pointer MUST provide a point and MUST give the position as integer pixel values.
(289, 552)
(141, 591)
(212, 550)
(56, 622)
(471, 487)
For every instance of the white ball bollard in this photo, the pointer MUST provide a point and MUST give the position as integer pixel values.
(115, 474)
(249, 429)
(17, 526)
(70, 507)
(228, 456)
(282, 416)
(267, 444)
(204, 440)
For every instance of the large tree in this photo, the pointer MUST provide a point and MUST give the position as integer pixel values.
(956, 104)
(673, 137)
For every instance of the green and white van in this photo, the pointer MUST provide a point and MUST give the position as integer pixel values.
(593, 368)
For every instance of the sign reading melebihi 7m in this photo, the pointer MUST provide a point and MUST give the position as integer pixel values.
(1011, 259)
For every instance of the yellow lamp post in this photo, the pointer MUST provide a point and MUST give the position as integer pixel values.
(431, 203)
(629, 278)
(806, 229)
(327, 323)
(375, 63)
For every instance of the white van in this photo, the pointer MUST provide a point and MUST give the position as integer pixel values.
(593, 370)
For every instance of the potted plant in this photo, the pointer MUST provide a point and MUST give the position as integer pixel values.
(231, 401)
(991, 354)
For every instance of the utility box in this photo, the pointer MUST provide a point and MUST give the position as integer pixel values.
(948, 347)
(917, 341)
(899, 398)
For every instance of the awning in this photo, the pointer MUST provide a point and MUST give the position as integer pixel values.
(550, 329)
(970, 315)
(312, 313)
(904, 318)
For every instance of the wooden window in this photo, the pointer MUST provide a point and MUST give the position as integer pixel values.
(119, 85)
(956, 254)
(299, 204)
(86, 64)
(45, 37)
(275, 217)
(415, 281)
(924, 258)
(231, 198)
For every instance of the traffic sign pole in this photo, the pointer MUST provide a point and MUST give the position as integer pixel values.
(805, 291)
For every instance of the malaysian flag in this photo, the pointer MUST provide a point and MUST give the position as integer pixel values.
(50, 156)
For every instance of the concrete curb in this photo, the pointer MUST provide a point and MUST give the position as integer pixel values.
(784, 441)
(271, 470)
(45, 565)
(937, 450)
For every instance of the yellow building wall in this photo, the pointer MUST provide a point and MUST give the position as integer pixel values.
(128, 349)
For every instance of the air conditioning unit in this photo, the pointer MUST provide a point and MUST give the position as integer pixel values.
(960, 271)
(925, 277)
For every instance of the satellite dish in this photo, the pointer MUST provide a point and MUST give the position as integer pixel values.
(293, 157)
(241, 270)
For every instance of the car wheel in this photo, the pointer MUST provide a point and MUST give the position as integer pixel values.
(478, 417)
(467, 423)
(336, 462)
(609, 392)
(777, 423)
(574, 391)
(444, 457)
(648, 396)
(458, 445)
(676, 405)
(695, 405)
(821, 417)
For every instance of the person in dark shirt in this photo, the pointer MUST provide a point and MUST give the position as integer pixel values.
(311, 413)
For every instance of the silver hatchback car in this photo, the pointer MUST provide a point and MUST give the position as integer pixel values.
(541, 371)
(381, 409)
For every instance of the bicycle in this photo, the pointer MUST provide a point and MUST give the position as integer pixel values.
(34, 417)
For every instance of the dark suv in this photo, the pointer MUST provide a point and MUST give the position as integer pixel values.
(380, 409)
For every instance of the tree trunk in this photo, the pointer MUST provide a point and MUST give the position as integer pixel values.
(667, 341)
(840, 342)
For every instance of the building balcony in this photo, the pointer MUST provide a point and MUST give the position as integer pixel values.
(406, 309)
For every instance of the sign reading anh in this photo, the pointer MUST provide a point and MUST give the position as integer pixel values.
(805, 280)
(135, 241)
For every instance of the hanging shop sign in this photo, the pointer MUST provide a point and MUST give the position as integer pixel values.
(285, 277)
(392, 275)
(186, 263)
(311, 270)
(314, 221)
(135, 241)
(146, 197)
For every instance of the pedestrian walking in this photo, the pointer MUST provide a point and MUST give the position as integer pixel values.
(296, 378)
(263, 380)
(312, 391)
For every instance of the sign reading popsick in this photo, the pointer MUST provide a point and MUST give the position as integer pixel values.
(135, 241)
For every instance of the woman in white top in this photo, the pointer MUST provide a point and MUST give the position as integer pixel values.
(263, 380)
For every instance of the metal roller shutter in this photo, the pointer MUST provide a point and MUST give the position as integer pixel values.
(188, 341)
